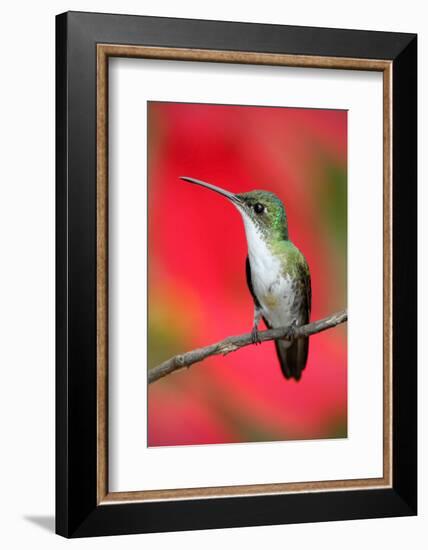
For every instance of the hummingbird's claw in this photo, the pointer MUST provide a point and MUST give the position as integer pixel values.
(255, 336)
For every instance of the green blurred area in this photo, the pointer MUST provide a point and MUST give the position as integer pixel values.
(165, 336)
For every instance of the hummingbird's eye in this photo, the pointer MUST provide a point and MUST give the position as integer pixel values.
(259, 208)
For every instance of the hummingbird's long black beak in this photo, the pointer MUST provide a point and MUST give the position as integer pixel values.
(233, 198)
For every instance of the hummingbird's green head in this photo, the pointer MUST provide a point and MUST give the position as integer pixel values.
(262, 210)
(265, 211)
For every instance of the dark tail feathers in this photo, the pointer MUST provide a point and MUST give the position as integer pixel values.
(292, 358)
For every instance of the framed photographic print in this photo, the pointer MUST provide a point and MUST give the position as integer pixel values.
(236, 274)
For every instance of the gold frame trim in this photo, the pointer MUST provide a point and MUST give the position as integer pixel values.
(104, 51)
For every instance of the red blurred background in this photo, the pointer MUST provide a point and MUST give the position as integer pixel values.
(197, 287)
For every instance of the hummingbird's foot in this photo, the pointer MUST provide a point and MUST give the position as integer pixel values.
(291, 332)
(255, 336)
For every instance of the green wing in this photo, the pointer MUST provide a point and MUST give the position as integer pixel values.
(293, 358)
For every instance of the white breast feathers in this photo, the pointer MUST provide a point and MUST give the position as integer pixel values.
(274, 291)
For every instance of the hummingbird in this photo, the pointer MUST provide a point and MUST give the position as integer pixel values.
(277, 273)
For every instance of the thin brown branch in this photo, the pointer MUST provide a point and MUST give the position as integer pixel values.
(234, 343)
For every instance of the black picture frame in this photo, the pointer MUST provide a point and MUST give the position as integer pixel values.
(77, 512)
